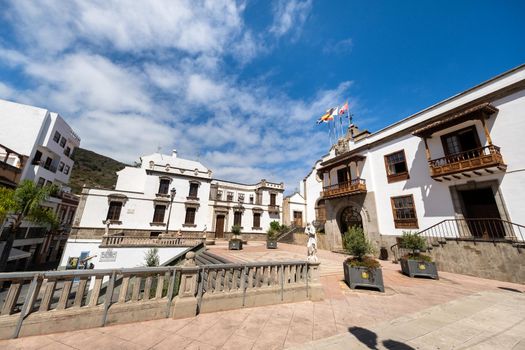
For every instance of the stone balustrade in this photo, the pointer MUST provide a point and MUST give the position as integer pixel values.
(131, 241)
(33, 303)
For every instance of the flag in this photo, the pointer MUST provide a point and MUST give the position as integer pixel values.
(326, 117)
(335, 112)
(344, 108)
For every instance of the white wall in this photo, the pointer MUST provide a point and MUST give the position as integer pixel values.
(126, 257)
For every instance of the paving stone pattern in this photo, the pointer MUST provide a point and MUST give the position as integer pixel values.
(454, 312)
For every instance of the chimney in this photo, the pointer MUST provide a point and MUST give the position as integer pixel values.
(174, 153)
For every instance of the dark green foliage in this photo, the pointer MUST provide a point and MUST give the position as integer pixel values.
(413, 241)
(275, 225)
(356, 244)
(93, 170)
(151, 257)
(236, 230)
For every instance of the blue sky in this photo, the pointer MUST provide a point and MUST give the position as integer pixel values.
(239, 84)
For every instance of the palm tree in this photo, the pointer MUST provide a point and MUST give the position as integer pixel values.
(23, 204)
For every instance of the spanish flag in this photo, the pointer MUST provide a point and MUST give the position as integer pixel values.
(326, 117)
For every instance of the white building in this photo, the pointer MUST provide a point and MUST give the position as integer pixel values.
(39, 143)
(459, 159)
(168, 197)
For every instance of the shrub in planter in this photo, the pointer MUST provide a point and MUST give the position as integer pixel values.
(235, 242)
(414, 263)
(361, 270)
(271, 238)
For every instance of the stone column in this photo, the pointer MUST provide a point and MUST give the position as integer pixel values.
(315, 292)
(185, 303)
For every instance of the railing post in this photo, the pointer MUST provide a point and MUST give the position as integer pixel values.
(185, 303)
(314, 287)
(28, 303)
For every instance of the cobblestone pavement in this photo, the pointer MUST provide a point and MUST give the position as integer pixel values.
(455, 311)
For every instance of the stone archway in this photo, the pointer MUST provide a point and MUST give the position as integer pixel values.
(350, 216)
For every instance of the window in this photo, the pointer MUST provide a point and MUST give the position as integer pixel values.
(114, 211)
(219, 195)
(38, 157)
(48, 162)
(164, 186)
(237, 218)
(61, 166)
(49, 183)
(273, 196)
(66, 169)
(158, 214)
(241, 197)
(194, 189)
(396, 166)
(251, 198)
(229, 196)
(67, 151)
(62, 142)
(190, 216)
(56, 138)
(256, 219)
(342, 176)
(41, 182)
(404, 212)
(464, 141)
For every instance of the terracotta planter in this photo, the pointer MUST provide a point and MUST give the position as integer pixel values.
(414, 268)
(363, 277)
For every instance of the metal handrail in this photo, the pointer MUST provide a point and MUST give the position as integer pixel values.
(483, 229)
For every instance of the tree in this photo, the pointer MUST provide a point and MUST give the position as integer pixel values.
(151, 257)
(23, 204)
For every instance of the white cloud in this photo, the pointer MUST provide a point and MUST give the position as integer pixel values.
(133, 76)
(289, 15)
(338, 47)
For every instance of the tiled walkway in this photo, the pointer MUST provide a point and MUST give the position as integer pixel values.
(289, 325)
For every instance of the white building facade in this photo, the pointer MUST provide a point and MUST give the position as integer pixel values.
(168, 196)
(459, 159)
(39, 143)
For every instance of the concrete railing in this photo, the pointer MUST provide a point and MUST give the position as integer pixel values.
(58, 301)
(130, 241)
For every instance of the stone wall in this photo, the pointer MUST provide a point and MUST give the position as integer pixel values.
(498, 261)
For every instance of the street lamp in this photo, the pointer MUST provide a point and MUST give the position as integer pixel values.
(173, 192)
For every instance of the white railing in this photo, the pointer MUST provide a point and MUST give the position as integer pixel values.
(130, 241)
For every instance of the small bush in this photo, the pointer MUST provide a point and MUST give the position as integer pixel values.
(271, 234)
(151, 257)
(355, 243)
(366, 261)
(413, 241)
(236, 230)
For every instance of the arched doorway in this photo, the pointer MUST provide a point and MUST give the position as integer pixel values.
(350, 216)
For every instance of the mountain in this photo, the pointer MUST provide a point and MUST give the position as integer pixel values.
(93, 170)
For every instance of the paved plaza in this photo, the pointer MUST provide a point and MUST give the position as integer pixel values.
(456, 311)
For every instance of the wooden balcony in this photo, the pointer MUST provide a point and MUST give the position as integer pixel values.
(476, 162)
(355, 186)
(272, 208)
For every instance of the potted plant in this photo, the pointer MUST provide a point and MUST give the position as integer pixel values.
(415, 263)
(361, 270)
(271, 235)
(235, 242)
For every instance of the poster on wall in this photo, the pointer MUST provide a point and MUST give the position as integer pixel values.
(72, 263)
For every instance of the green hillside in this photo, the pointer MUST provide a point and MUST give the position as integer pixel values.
(93, 170)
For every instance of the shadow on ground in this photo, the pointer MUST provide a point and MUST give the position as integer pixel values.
(369, 338)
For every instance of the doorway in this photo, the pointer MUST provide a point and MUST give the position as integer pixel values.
(298, 218)
(479, 205)
(219, 226)
(350, 216)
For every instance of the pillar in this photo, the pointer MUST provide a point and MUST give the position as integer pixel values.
(185, 303)
(485, 129)
(427, 151)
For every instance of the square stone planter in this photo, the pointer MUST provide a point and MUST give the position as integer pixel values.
(363, 277)
(235, 244)
(414, 268)
(271, 244)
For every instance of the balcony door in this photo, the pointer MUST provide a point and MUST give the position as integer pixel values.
(342, 176)
(461, 141)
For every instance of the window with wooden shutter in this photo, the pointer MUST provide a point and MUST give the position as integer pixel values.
(190, 216)
(114, 211)
(404, 212)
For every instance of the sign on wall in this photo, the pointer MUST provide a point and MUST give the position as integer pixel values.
(108, 256)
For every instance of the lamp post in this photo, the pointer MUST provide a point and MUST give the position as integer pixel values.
(173, 192)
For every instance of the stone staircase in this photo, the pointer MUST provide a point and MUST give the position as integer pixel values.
(206, 257)
(287, 236)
